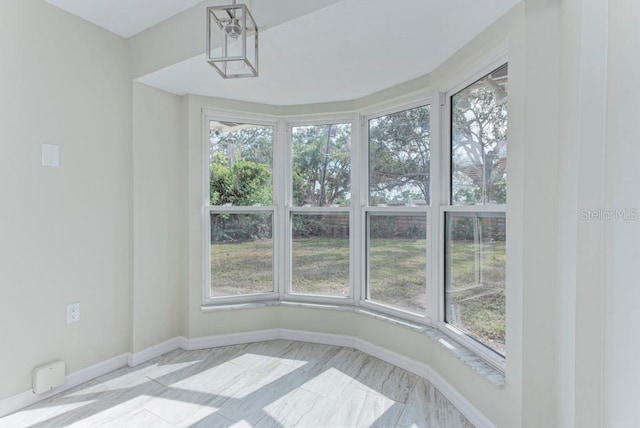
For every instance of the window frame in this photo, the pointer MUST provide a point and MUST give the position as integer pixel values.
(365, 209)
(287, 285)
(486, 353)
(262, 120)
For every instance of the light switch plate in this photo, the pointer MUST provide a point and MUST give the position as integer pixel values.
(50, 155)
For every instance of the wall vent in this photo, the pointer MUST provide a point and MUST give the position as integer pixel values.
(48, 376)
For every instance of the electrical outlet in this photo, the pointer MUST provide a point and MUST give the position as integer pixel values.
(73, 313)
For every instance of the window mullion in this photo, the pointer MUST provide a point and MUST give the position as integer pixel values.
(444, 162)
(361, 169)
(282, 170)
(435, 248)
(358, 186)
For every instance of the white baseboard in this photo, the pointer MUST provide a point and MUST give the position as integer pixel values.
(323, 338)
(27, 398)
(477, 418)
(264, 335)
(150, 353)
(474, 415)
(232, 339)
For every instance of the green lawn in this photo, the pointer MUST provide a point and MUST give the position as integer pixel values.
(241, 268)
(321, 266)
(397, 274)
(476, 297)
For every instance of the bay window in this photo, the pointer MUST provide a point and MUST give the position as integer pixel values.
(379, 211)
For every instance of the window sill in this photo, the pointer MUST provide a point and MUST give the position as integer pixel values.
(462, 353)
(236, 306)
(469, 357)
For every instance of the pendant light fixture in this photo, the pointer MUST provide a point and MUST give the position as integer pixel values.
(232, 41)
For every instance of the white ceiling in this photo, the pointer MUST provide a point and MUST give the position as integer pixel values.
(125, 17)
(344, 51)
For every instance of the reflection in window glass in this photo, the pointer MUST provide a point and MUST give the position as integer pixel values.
(475, 276)
(320, 254)
(399, 158)
(321, 165)
(397, 251)
(479, 141)
(241, 253)
(240, 164)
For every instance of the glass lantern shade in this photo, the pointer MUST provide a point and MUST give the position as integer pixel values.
(232, 41)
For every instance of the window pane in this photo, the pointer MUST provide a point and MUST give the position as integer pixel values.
(479, 141)
(397, 246)
(241, 253)
(321, 165)
(399, 158)
(320, 254)
(475, 276)
(240, 164)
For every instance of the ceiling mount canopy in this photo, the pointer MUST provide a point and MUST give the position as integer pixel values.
(232, 41)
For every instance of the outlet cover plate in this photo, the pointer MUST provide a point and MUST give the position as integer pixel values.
(73, 313)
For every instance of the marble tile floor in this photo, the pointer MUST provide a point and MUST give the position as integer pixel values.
(279, 383)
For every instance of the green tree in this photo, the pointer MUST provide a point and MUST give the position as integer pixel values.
(399, 157)
(240, 163)
(322, 165)
(245, 183)
(479, 136)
